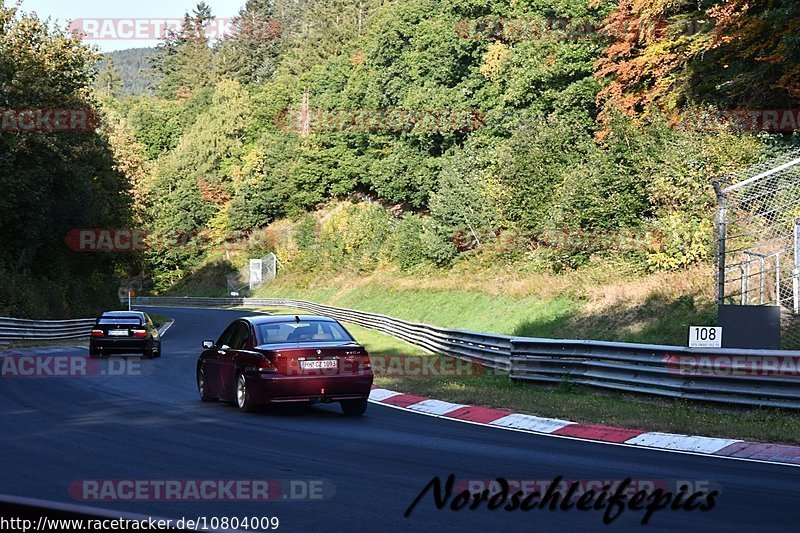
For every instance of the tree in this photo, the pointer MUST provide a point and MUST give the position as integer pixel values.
(185, 63)
(54, 181)
(251, 53)
(322, 29)
(192, 185)
(665, 56)
(109, 80)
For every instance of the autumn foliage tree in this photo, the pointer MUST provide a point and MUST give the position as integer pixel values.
(666, 55)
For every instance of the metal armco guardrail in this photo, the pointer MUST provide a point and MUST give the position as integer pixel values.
(22, 329)
(746, 377)
(489, 350)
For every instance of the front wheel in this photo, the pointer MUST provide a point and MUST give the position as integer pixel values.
(243, 400)
(202, 387)
(354, 407)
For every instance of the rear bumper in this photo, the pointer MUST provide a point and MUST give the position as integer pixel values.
(122, 345)
(271, 388)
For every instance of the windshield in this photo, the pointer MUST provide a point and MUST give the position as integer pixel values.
(304, 331)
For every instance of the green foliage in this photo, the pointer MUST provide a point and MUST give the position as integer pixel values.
(134, 69)
(305, 234)
(418, 241)
(406, 247)
(466, 198)
(184, 64)
(192, 185)
(683, 241)
(535, 158)
(109, 80)
(354, 236)
(53, 182)
(542, 158)
(220, 145)
(251, 53)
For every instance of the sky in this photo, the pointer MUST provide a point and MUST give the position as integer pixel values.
(111, 21)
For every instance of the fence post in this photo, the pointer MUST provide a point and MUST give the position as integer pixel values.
(778, 278)
(722, 215)
(796, 269)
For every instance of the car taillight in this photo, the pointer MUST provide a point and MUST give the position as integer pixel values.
(97, 333)
(265, 365)
(139, 333)
(358, 360)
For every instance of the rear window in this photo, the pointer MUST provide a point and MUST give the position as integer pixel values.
(304, 331)
(122, 320)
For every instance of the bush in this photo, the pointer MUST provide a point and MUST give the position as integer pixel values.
(305, 234)
(405, 247)
(418, 241)
(683, 241)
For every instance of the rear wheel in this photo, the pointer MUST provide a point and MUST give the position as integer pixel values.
(94, 353)
(202, 387)
(243, 400)
(152, 352)
(354, 407)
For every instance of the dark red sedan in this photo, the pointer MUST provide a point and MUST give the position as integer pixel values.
(279, 359)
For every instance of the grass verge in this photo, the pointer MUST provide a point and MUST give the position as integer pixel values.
(44, 343)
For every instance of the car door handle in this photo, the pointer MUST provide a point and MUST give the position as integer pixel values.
(221, 352)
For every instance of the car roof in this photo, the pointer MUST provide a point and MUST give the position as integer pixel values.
(277, 319)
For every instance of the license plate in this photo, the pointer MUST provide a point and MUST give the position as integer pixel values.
(118, 333)
(324, 363)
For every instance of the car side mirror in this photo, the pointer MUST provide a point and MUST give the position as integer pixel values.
(208, 344)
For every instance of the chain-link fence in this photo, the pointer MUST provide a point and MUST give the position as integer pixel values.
(253, 275)
(758, 225)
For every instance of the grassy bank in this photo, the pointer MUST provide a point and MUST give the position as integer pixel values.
(596, 303)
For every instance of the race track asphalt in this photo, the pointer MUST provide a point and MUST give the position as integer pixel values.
(56, 431)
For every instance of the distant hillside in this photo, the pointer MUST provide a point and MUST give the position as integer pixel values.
(134, 69)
